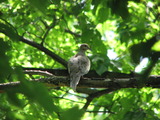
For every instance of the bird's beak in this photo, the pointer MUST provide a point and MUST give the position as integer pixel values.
(89, 48)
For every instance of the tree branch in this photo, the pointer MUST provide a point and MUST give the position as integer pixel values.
(100, 112)
(116, 81)
(45, 50)
(34, 44)
(106, 80)
(48, 29)
(92, 73)
(72, 33)
(96, 94)
(4, 86)
(38, 72)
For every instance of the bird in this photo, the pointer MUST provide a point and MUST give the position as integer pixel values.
(78, 65)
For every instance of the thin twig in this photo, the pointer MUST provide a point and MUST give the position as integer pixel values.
(38, 72)
(48, 29)
(96, 94)
(100, 112)
(75, 34)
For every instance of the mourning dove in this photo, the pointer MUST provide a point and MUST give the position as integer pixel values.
(78, 65)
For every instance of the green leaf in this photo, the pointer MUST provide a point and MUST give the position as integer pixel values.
(103, 14)
(101, 62)
(41, 5)
(141, 50)
(101, 69)
(5, 68)
(8, 30)
(156, 46)
(73, 113)
(120, 8)
(39, 94)
(135, 115)
(14, 98)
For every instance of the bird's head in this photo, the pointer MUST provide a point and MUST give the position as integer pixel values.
(84, 47)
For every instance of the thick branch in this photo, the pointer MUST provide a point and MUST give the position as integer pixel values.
(45, 50)
(106, 80)
(91, 74)
(34, 44)
(4, 86)
(116, 83)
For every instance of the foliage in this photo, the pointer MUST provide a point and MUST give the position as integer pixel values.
(121, 34)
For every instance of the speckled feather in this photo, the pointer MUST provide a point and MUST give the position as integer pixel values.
(78, 65)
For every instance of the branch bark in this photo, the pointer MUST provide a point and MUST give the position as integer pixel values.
(45, 50)
(108, 80)
(14, 35)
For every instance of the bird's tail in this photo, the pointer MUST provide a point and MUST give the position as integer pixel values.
(74, 82)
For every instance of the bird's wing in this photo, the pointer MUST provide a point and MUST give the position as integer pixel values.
(73, 65)
(84, 64)
(74, 71)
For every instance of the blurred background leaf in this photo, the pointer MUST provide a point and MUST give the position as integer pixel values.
(73, 113)
(41, 5)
